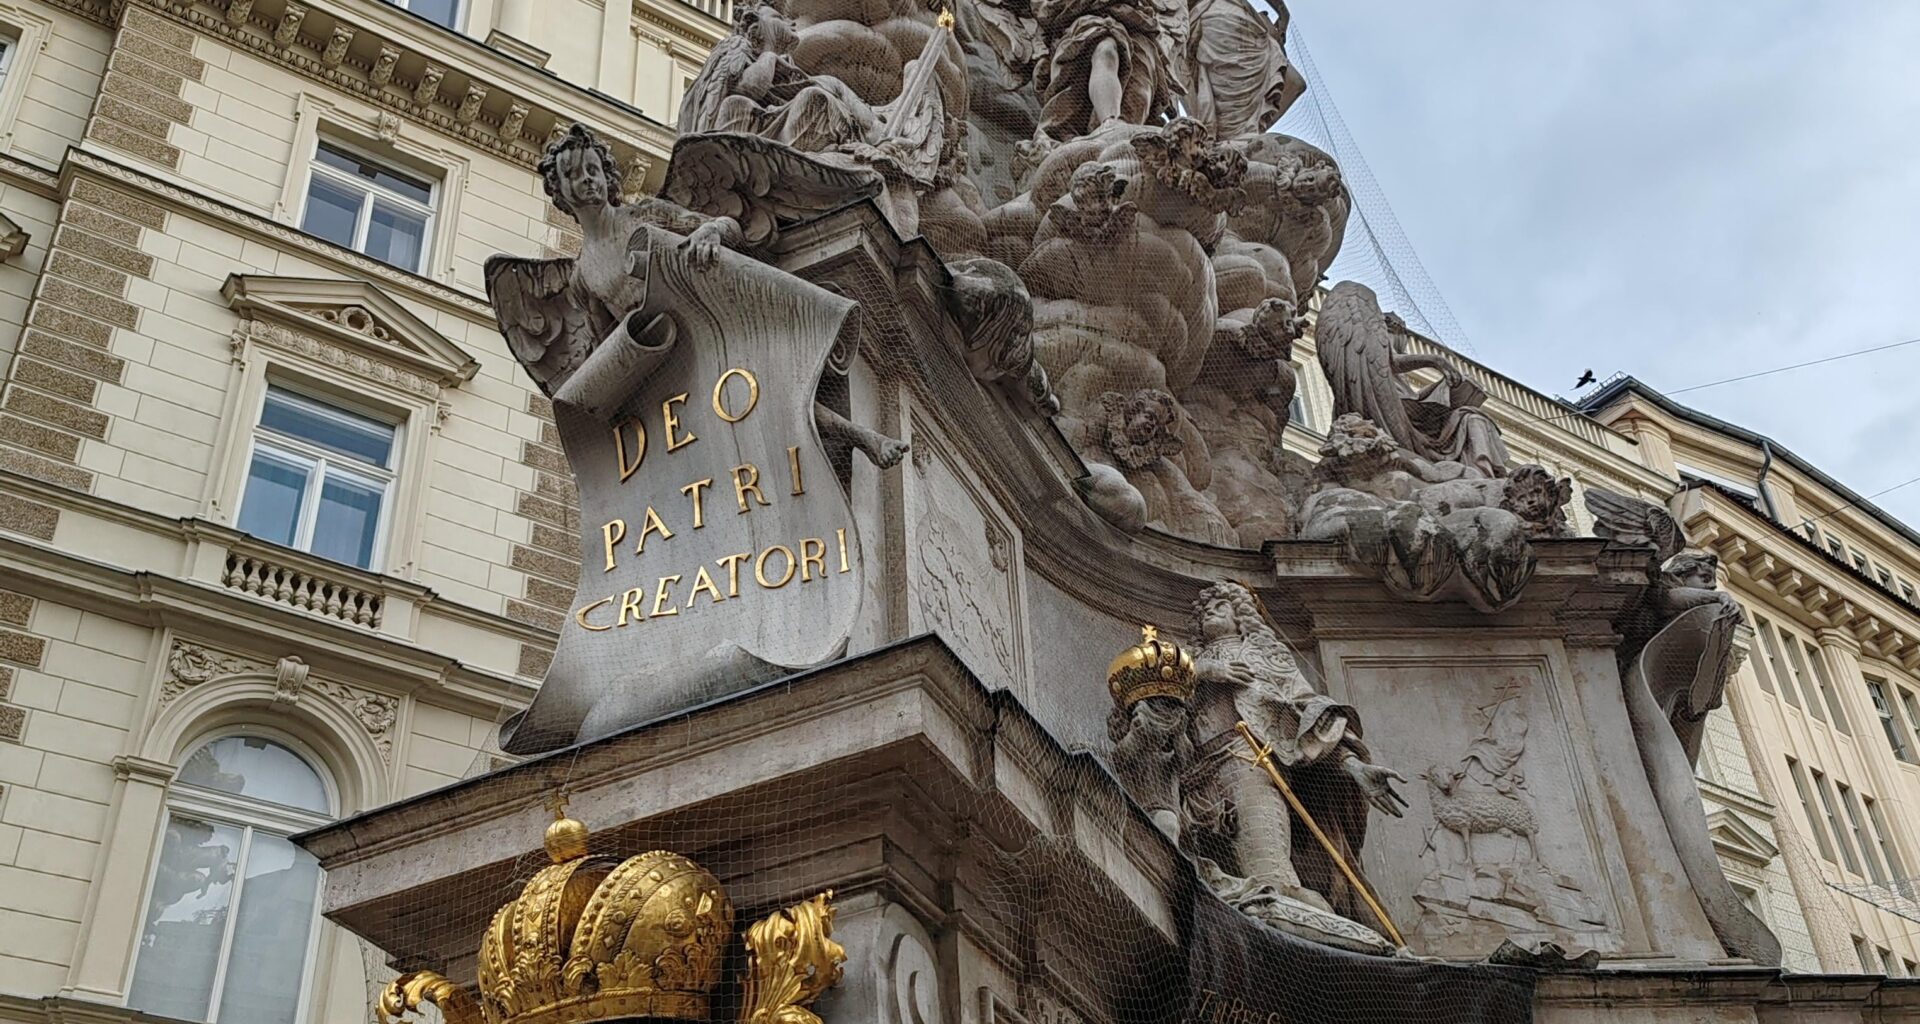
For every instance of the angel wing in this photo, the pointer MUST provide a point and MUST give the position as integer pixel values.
(1356, 351)
(700, 108)
(548, 322)
(1631, 521)
(761, 183)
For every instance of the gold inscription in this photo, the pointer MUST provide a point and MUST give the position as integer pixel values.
(693, 490)
(611, 532)
(580, 614)
(720, 390)
(660, 597)
(746, 477)
(842, 534)
(670, 421)
(652, 525)
(760, 567)
(630, 602)
(813, 555)
(793, 469)
(732, 565)
(703, 581)
(628, 468)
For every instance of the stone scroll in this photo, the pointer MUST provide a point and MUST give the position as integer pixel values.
(717, 545)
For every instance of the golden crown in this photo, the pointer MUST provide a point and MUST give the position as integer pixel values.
(1151, 668)
(593, 939)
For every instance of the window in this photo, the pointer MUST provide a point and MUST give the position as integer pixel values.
(440, 12)
(1774, 661)
(1906, 592)
(1826, 689)
(230, 920)
(1911, 707)
(1860, 561)
(1850, 802)
(1806, 807)
(1885, 577)
(1833, 544)
(1800, 676)
(368, 206)
(1886, 962)
(1865, 955)
(8, 44)
(1890, 723)
(319, 478)
(1913, 968)
(1888, 852)
(1827, 804)
(1812, 531)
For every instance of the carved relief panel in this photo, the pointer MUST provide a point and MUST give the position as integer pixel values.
(963, 564)
(1503, 839)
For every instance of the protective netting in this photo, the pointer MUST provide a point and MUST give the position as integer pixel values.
(1112, 273)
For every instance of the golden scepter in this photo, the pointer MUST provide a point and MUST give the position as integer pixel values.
(1263, 756)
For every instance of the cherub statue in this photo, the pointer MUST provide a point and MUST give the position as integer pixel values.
(1678, 582)
(1140, 433)
(556, 313)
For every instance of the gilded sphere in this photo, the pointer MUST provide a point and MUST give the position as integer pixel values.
(566, 840)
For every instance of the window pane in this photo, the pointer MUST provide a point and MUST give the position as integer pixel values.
(440, 12)
(348, 521)
(259, 768)
(333, 210)
(395, 235)
(270, 506)
(379, 174)
(269, 954)
(186, 919)
(337, 430)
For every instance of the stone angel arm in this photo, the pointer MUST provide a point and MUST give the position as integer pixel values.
(706, 234)
(568, 342)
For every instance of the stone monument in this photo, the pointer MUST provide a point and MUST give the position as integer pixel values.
(951, 353)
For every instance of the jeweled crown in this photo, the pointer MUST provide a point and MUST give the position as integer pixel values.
(594, 939)
(1154, 667)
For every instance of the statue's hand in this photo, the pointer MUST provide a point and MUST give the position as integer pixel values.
(703, 246)
(1376, 781)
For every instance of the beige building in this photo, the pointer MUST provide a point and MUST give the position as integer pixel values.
(284, 532)
(1828, 703)
(283, 529)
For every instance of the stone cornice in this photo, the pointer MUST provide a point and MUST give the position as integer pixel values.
(683, 20)
(1760, 556)
(176, 198)
(357, 318)
(32, 177)
(440, 79)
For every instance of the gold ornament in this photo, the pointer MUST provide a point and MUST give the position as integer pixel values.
(592, 939)
(791, 960)
(1151, 668)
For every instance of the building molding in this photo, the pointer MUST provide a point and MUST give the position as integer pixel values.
(336, 320)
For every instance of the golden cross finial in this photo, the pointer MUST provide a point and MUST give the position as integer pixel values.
(946, 18)
(1149, 633)
(557, 803)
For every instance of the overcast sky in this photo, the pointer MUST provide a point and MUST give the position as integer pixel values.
(1679, 190)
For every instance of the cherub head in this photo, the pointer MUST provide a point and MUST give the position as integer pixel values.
(1695, 569)
(1539, 500)
(579, 170)
(1356, 450)
(1139, 427)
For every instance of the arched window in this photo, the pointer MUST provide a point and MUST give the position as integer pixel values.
(231, 915)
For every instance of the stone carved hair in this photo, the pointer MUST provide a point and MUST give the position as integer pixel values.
(578, 138)
(1689, 562)
(1355, 449)
(1539, 500)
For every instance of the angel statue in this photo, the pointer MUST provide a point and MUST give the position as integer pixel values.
(1675, 655)
(1236, 817)
(1108, 60)
(582, 326)
(1363, 352)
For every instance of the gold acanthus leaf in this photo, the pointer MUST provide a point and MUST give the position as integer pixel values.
(791, 960)
(408, 991)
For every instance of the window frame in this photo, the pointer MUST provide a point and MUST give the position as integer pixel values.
(1823, 788)
(1805, 791)
(234, 811)
(321, 464)
(1869, 857)
(1889, 853)
(1891, 721)
(1770, 643)
(460, 12)
(1816, 660)
(26, 30)
(363, 219)
(1809, 693)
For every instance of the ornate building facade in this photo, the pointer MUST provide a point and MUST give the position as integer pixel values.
(285, 532)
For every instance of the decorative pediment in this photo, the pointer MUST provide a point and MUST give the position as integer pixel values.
(358, 321)
(1734, 838)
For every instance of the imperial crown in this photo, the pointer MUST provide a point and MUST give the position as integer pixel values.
(596, 939)
(1151, 668)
